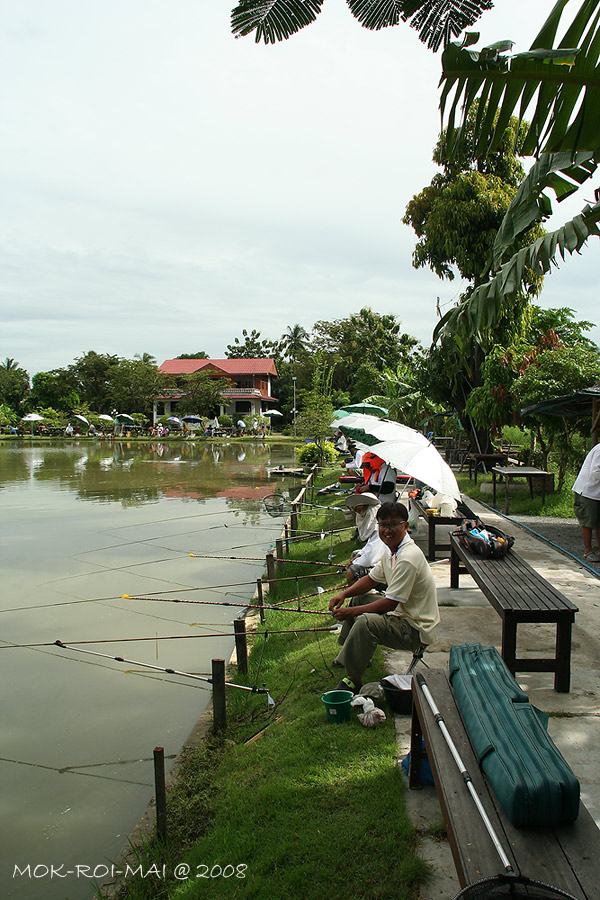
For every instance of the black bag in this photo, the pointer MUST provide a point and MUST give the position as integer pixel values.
(483, 540)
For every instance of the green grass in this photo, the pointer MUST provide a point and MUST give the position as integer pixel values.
(310, 809)
(556, 504)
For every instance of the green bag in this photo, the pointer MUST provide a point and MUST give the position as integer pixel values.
(532, 781)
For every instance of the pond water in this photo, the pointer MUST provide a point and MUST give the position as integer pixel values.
(82, 525)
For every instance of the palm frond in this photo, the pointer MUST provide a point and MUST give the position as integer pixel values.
(273, 20)
(563, 173)
(485, 304)
(437, 21)
(563, 84)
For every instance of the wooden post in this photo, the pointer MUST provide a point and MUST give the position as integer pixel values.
(260, 598)
(241, 644)
(279, 549)
(270, 568)
(218, 692)
(160, 793)
(294, 519)
(287, 539)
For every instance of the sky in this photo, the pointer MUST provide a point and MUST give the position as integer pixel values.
(165, 186)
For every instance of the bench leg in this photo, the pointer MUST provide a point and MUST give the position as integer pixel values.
(454, 564)
(416, 741)
(431, 535)
(509, 642)
(562, 677)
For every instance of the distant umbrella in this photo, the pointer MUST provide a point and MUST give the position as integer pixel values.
(271, 412)
(105, 417)
(124, 417)
(192, 419)
(32, 417)
(175, 420)
(81, 418)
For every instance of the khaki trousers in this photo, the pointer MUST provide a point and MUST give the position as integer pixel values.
(363, 634)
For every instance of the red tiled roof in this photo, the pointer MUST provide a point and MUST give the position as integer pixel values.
(229, 366)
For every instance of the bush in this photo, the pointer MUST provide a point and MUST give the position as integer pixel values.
(225, 421)
(322, 454)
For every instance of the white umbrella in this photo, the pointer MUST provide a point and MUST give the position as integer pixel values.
(175, 420)
(81, 418)
(271, 412)
(106, 418)
(32, 417)
(124, 417)
(421, 462)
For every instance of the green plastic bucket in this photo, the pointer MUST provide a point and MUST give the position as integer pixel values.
(337, 704)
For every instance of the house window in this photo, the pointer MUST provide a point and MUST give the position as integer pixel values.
(242, 406)
(244, 383)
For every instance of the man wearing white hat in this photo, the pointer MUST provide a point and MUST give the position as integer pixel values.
(365, 508)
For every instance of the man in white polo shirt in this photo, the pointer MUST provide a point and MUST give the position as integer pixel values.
(587, 502)
(405, 616)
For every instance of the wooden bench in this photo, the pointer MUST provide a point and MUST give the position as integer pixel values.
(432, 521)
(565, 857)
(520, 594)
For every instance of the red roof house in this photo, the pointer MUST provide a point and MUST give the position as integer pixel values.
(248, 388)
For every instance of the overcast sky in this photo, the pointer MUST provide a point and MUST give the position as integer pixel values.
(165, 186)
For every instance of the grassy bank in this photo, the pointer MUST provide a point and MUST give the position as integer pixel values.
(291, 804)
(558, 504)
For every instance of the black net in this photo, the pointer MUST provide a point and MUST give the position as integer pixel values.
(511, 887)
(275, 504)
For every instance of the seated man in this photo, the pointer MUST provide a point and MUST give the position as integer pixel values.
(365, 508)
(405, 616)
(379, 477)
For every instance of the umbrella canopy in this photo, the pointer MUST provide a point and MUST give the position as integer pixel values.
(193, 419)
(369, 408)
(340, 414)
(81, 418)
(271, 412)
(175, 420)
(106, 418)
(421, 462)
(370, 430)
(32, 417)
(124, 417)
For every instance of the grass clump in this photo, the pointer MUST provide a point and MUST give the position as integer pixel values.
(284, 803)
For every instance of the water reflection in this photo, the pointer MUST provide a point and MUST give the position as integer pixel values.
(84, 524)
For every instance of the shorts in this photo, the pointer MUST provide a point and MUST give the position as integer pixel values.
(587, 511)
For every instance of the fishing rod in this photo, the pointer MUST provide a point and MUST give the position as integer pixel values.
(314, 612)
(135, 662)
(166, 637)
(304, 562)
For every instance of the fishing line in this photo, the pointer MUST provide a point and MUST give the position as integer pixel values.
(134, 662)
(72, 770)
(304, 562)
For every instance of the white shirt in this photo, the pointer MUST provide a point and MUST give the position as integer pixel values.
(587, 482)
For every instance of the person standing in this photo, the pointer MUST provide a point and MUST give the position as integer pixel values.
(587, 503)
(405, 616)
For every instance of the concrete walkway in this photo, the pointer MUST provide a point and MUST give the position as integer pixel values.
(574, 717)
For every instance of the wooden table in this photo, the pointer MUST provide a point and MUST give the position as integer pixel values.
(509, 473)
(484, 459)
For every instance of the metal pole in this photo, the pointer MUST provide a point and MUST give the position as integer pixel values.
(294, 383)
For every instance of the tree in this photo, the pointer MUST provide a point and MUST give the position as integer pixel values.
(56, 389)
(202, 394)
(560, 85)
(200, 355)
(294, 342)
(135, 385)
(360, 347)
(93, 373)
(251, 347)
(14, 384)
